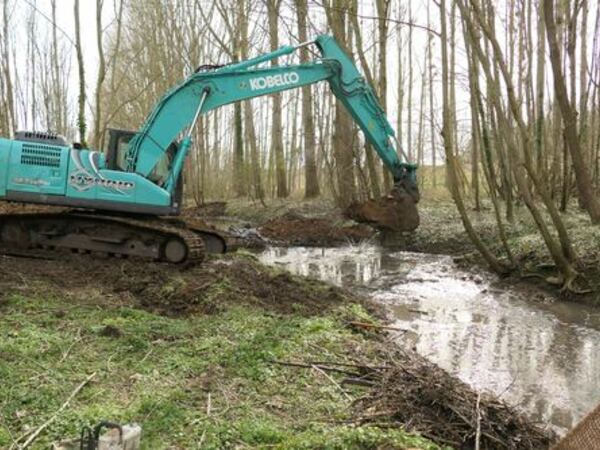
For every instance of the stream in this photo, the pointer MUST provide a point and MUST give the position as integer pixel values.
(517, 343)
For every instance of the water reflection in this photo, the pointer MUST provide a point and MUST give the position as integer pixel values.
(542, 356)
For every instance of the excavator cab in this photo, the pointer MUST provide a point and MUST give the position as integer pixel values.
(116, 155)
(116, 151)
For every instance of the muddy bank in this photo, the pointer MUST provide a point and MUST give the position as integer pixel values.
(254, 226)
(295, 229)
(170, 289)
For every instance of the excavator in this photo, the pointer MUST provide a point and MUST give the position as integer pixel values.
(125, 200)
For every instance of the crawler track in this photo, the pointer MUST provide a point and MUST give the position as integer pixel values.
(148, 238)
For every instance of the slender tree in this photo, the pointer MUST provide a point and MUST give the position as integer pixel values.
(311, 181)
(582, 174)
(81, 121)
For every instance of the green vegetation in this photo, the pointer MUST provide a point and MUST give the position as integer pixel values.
(204, 381)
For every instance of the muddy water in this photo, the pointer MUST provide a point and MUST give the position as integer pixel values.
(531, 350)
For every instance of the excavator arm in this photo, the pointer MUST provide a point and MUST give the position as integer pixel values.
(176, 113)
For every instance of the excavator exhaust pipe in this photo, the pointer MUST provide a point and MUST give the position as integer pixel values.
(396, 212)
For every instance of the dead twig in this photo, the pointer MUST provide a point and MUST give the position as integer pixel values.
(358, 382)
(372, 325)
(335, 383)
(311, 366)
(66, 354)
(33, 436)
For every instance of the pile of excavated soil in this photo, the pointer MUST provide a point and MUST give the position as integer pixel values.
(294, 229)
(170, 289)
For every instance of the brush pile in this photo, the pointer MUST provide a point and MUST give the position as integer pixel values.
(419, 396)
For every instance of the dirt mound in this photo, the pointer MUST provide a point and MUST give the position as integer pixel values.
(427, 399)
(294, 229)
(171, 289)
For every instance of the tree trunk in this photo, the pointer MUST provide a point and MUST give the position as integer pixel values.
(277, 129)
(81, 122)
(372, 168)
(539, 87)
(98, 135)
(342, 134)
(383, 13)
(431, 94)
(582, 174)
(311, 180)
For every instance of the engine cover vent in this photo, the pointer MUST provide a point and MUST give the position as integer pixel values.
(41, 138)
(40, 155)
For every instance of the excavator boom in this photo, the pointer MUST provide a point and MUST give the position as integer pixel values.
(205, 91)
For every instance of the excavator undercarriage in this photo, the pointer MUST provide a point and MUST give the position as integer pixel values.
(158, 239)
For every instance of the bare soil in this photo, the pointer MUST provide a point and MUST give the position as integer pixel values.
(169, 289)
(295, 229)
(294, 224)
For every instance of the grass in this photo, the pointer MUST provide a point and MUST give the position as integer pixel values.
(204, 381)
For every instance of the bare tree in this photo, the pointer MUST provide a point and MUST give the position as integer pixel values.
(5, 65)
(448, 136)
(98, 129)
(342, 148)
(273, 7)
(81, 122)
(582, 174)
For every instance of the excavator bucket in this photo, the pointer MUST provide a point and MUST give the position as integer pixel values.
(395, 212)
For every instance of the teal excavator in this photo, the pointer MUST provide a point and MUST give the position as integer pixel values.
(122, 201)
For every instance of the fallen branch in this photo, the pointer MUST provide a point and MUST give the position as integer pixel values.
(38, 431)
(358, 382)
(372, 325)
(311, 366)
(335, 383)
(344, 364)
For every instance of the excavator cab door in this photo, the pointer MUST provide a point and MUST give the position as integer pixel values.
(116, 152)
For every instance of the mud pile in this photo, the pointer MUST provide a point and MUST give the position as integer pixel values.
(169, 289)
(295, 229)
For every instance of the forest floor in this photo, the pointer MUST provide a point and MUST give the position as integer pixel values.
(320, 223)
(226, 354)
